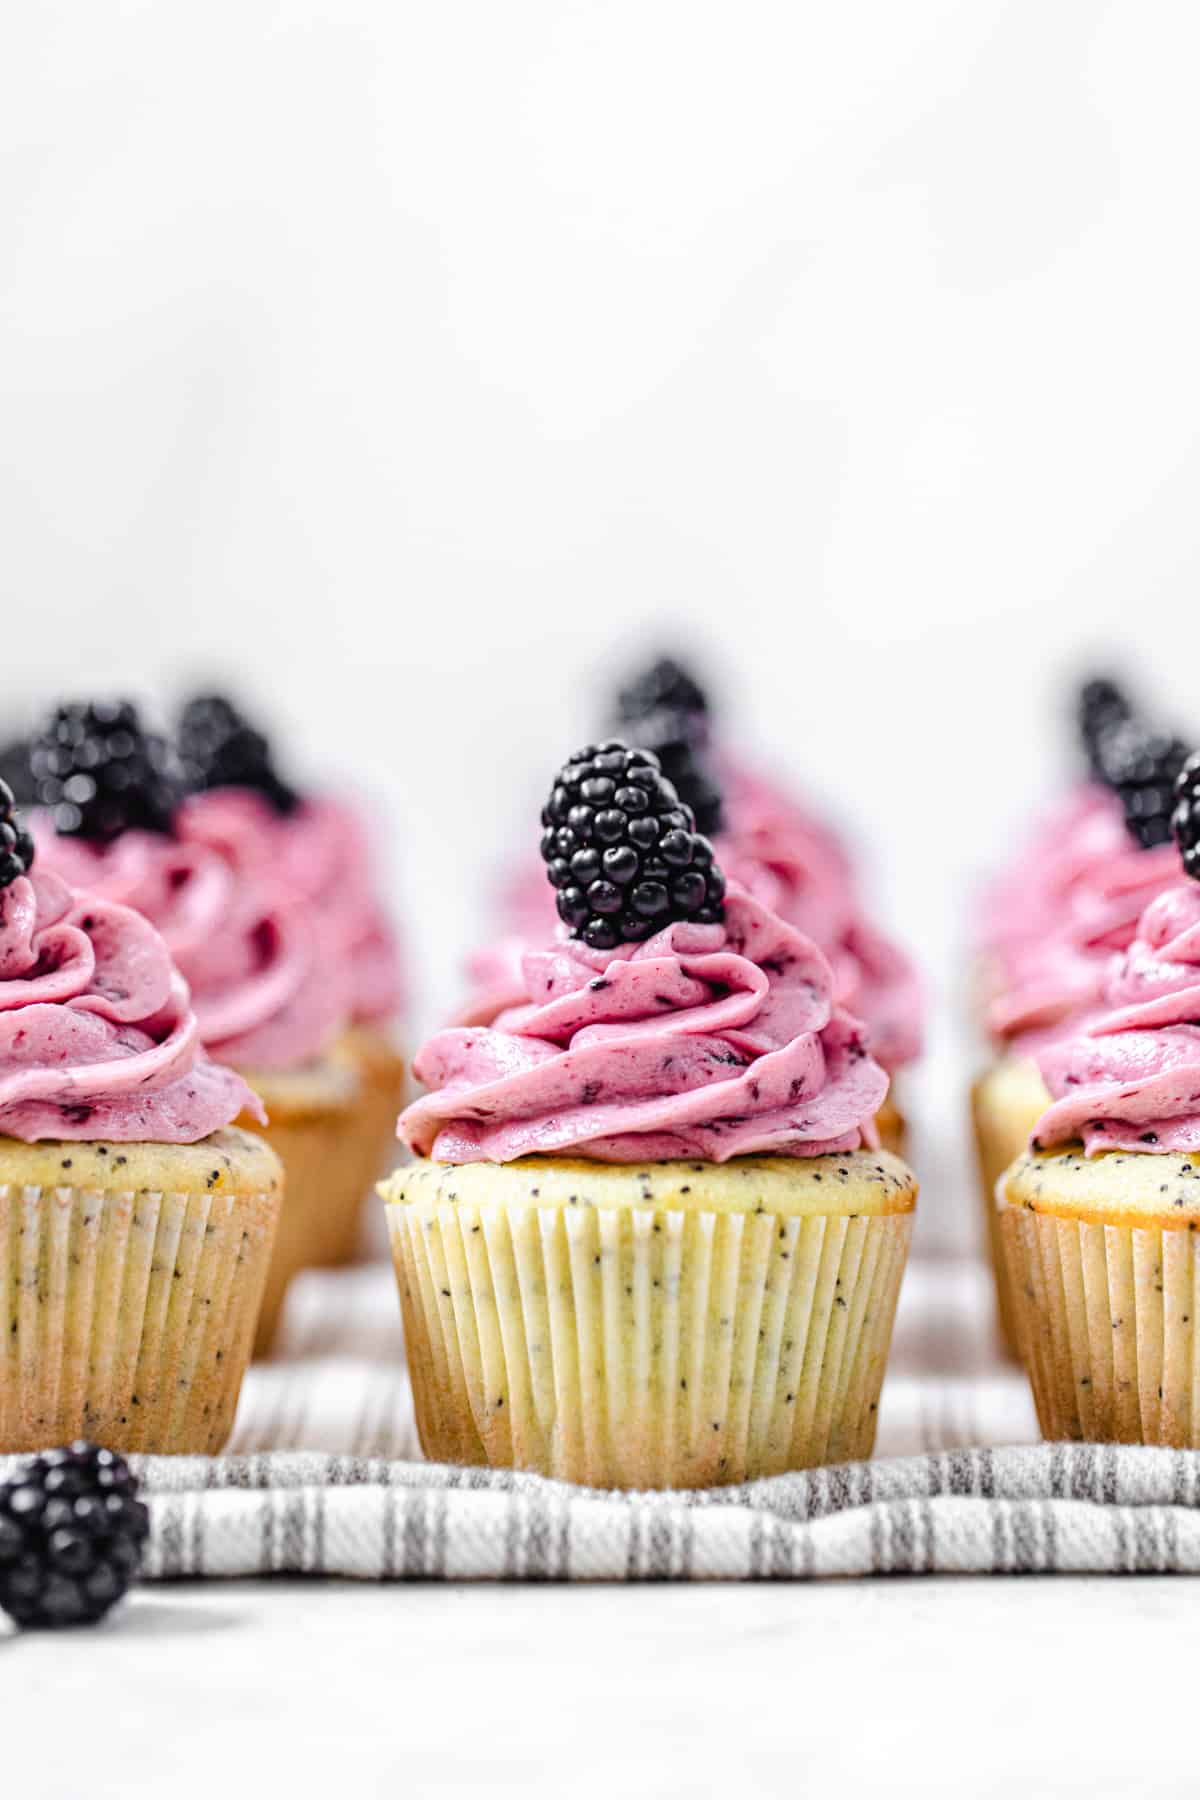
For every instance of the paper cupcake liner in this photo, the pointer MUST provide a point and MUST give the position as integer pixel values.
(319, 1205)
(892, 1126)
(1107, 1317)
(629, 1348)
(127, 1316)
(999, 1140)
(372, 1147)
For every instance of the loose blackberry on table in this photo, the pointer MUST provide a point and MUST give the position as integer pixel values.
(71, 1535)
(622, 849)
(99, 772)
(219, 747)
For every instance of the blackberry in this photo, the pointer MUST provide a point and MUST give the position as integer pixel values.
(1185, 820)
(71, 1535)
(623, 850)
(1142, 767)
(16, 772)
(669, 736)
(1102, 707)
(665, 686)
(99, 772)
(219, 747)
(16, 845)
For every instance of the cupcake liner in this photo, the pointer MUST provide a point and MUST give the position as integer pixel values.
(1002, 1125)
(372, 1148)
(318, 1203)
(126, 1316)
(1107, 1320)
(623, 1347)
(892, 1126)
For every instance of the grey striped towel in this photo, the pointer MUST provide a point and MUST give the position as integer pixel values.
(324, 1477)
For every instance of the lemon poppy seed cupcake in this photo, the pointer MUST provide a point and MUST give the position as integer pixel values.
(136, 1227)
(1099, 1218)
(646, 1240)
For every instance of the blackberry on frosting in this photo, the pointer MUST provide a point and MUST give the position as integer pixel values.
(16, 844)
(99, 772)
(665, 686)
(1142, 767)
(623, 851)
(1185, 820)
(219, 747)
(1102, 706)
(664, 709)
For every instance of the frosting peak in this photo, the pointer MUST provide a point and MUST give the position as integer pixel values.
(97, 1035)
(1129, 1078)
(706, 1040)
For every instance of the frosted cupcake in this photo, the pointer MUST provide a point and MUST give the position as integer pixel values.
(645, 1241)
(318, 846)
(1070, 899)
(1099, 1217)
(776, 847)
(136, 1226)
(269, 989)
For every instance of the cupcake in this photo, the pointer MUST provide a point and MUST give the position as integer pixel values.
(774, 846)
(646, 1239)
(137, 1220)
(1071, 898)
(320, 845)
(268, 985)
(1099, 1217)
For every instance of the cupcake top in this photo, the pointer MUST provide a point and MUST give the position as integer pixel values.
(98, 1039)
(665, 1019)
(267, 992)
(1129, 1076)
(784, 856)
(1078, 886)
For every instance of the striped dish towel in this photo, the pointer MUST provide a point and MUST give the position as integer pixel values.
(324, 1476)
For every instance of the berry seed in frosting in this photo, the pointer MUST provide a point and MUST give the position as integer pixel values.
(623, 851)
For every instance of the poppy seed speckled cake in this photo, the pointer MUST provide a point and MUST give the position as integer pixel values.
(647, 1239)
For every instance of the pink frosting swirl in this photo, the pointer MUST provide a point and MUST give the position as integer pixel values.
(1128, 1077)
(706, 1040)
(266, 984)
(1072, 897)
(793, 864)
(97, 1036)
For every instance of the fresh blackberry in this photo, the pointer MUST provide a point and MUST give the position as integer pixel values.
(665, 686)
(623, 851)
(16, 845)
(219, 747)
(71, 1535)
(1185, 820)
(99, 772)
(684, 764)
(16, 772)
(1101, 708)
(1142, 767)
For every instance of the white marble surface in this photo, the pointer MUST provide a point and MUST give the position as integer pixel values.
(964, 1687)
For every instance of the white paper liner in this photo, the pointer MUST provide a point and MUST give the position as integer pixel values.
(623, 1347)
(127, 1316)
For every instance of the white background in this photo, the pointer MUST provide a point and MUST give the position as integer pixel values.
(414, 365)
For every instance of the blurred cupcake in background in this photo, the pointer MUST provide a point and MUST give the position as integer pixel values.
(1099, 1218)
(136, 1220)
(646, 1240)
(270, 984)
(775, 846)
(1052, 921)
(320, 847)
